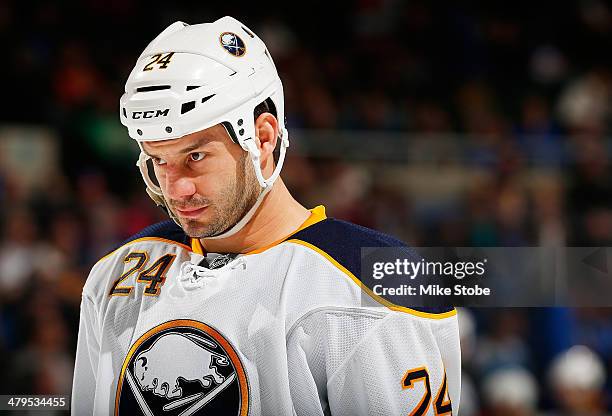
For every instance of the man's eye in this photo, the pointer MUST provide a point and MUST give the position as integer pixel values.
(197, 156)
(158, 161)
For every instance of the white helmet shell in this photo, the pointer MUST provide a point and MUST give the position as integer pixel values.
(192, 77)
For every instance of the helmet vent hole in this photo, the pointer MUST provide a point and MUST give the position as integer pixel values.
(124, 112)
(207, 98)
(192, 87)
(186, 107)
(248, 32)
(153, 88)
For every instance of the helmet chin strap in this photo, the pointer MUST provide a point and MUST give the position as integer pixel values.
(266, 184)
(247, 217)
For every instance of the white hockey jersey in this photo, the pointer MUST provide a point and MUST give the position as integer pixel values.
(284, 330)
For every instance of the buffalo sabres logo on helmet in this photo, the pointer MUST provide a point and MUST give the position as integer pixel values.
(232, 43)
(182, 368)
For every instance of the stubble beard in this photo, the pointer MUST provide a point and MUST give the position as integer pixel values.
(235, 199)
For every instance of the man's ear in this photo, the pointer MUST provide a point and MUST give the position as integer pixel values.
(266, 132)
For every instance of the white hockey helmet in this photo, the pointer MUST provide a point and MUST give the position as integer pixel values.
(192, 77)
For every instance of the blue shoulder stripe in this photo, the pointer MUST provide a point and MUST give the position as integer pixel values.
(343, 241)
(168, 230)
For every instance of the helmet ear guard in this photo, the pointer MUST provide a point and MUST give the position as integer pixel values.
(153, 189)
(144, 164)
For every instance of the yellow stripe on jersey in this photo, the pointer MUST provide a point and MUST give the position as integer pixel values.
(367, 290)
(196, 246)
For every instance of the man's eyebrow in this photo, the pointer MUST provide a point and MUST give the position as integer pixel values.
(199, 143)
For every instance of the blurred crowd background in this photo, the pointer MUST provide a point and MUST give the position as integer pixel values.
(465, 124)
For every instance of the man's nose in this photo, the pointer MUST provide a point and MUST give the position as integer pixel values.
(179, 186)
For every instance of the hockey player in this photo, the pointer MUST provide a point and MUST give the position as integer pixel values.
(245, 303)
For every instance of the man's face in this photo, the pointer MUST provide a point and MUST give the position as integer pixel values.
(207, 180)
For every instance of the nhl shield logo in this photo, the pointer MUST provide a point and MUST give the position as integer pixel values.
(185, 368)
(232, 43)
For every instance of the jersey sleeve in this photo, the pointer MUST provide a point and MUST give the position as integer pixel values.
(86, 364)
(367, 362)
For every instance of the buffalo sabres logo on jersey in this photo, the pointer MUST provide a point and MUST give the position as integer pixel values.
(232, 43)
(182, 367)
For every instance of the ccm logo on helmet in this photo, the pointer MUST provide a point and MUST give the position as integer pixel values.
(150, 113)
